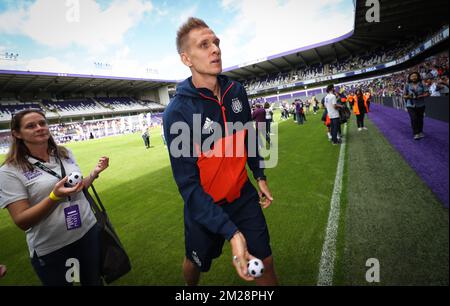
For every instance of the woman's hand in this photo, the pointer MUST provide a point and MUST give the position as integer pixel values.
(62, 191)
(102, 164)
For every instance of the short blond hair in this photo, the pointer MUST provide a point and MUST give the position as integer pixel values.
(191, 24)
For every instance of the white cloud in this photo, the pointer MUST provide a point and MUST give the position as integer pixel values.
(263, 28)
(81, 22)
(182, 18)
(12, 22)
(49, 64)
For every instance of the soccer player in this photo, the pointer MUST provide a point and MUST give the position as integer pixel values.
(220, 203)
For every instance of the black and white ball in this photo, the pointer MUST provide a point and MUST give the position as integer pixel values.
(74, 178)
(255, 267)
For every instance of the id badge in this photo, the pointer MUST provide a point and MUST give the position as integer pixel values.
(73, 217)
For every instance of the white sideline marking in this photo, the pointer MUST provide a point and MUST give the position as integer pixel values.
(328, 256)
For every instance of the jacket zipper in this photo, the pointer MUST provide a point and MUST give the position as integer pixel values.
(221, 105)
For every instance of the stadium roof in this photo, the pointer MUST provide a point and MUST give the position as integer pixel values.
(398, 19)
(29, 81)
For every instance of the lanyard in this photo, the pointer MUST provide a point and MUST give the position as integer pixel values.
(50, 171)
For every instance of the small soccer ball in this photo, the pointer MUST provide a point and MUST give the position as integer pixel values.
(255, 267)
(74, 178)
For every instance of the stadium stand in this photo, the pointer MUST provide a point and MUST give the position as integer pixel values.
(369, 59)
(74, 107)
(9, 108)
(122, 104)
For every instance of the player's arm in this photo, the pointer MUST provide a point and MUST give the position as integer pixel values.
(240, 254)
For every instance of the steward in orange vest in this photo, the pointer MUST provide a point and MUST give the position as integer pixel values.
(356, 105)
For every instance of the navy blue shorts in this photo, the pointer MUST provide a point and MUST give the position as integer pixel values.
(202, 246)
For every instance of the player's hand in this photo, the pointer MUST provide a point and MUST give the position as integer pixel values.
(62, 191)
(265, 196)
(3, 270)
(241, 256)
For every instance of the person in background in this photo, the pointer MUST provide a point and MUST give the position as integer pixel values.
(333, 113)
(360, 108)
(269, 119)
(351, 100)
(414, 94)
(145, 136)
(367, 99)
(259, 116)
(299, 112)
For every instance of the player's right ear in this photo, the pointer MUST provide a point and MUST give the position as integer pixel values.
(186, 59)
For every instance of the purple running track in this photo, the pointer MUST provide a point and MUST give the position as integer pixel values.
(428, 156)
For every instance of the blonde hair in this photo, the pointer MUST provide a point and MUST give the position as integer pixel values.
(191, 24)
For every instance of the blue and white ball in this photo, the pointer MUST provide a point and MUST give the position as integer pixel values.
(74, 178)
(255, 267)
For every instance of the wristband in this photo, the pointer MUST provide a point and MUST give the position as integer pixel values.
(53, 197)
(261, 178)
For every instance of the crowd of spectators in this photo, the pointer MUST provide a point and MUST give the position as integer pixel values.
(369, 59)
(433, 71)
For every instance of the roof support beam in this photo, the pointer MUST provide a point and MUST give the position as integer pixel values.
(127, 84)
(63, 87)
(249, 71)
(99, 85)
(345, 48)
(84, 85)
(318, 55)
(117, 82)
(288, 62)
(28, 84)
(238, 74)
(265, 70)
(299, 54)
(8, 82)
(333, 46)
(273, 64)
(49, 84)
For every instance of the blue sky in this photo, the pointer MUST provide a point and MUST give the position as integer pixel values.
(136, 38)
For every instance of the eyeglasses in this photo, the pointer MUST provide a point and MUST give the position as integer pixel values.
(24, 112)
